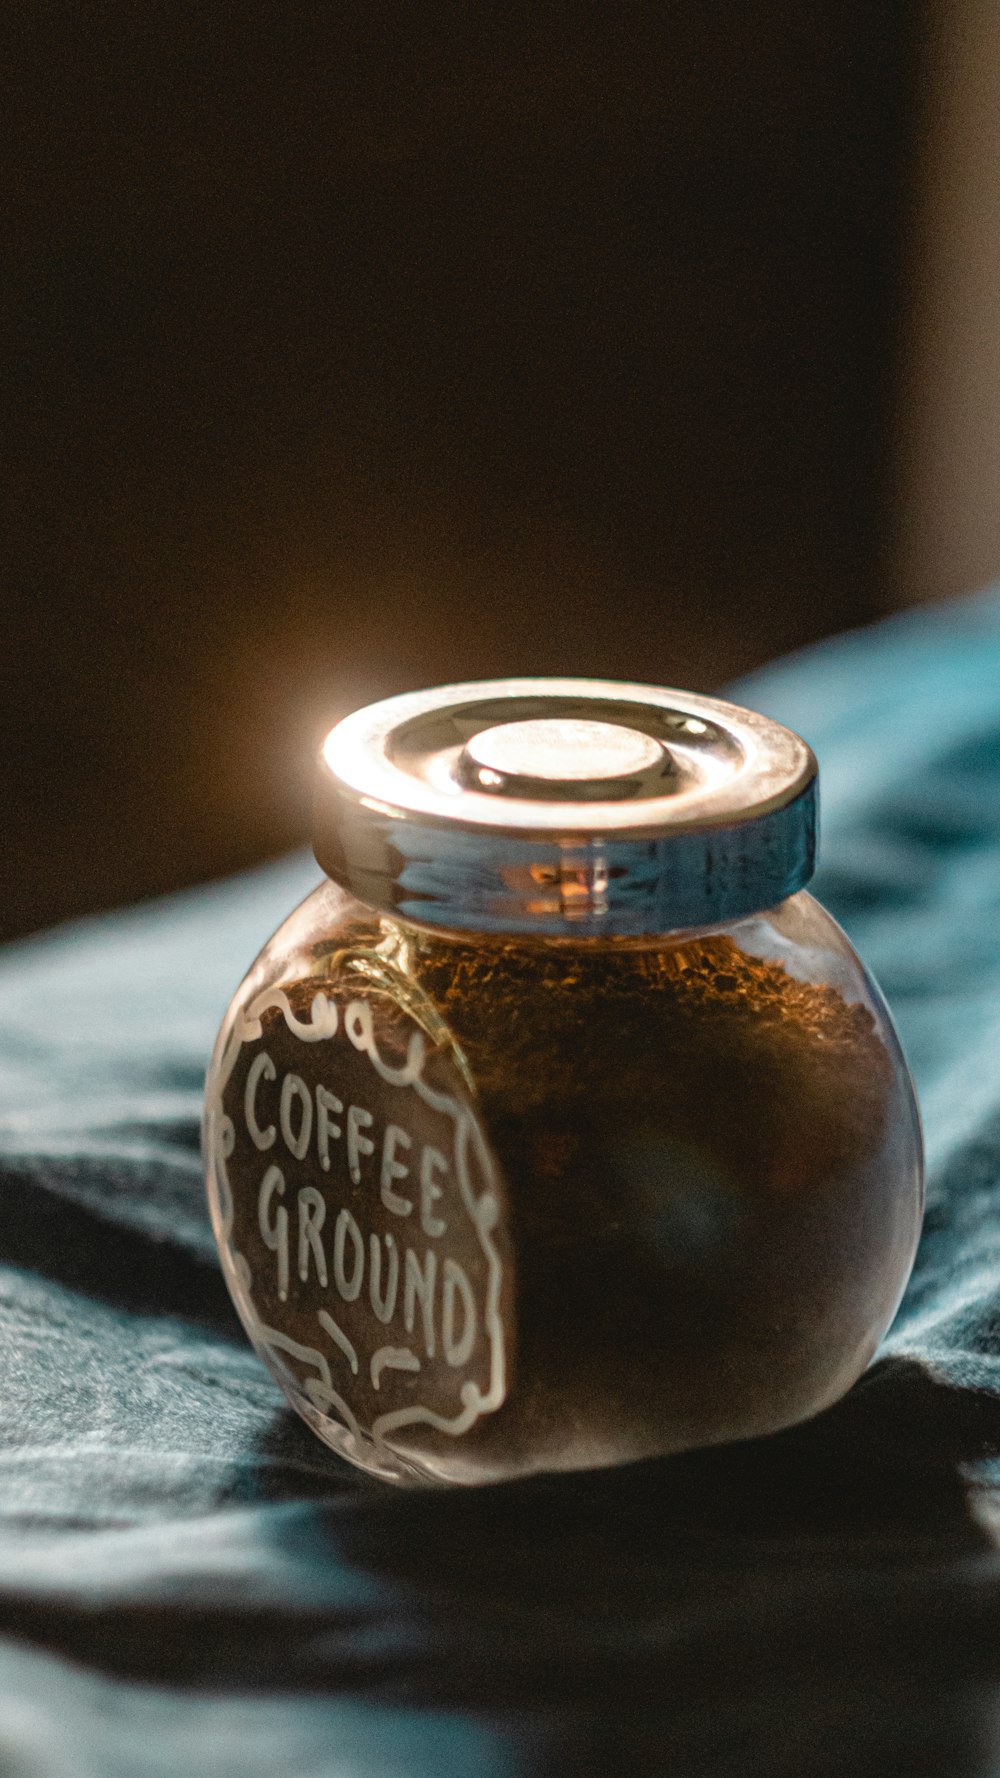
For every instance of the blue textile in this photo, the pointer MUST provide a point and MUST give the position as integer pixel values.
(190, 1585)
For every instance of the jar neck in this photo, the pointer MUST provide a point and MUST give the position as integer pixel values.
(582, 938)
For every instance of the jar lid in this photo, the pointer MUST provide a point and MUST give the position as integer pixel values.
(565, 806)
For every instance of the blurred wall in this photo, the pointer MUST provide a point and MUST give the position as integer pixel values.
(945, 525)
(357, 348)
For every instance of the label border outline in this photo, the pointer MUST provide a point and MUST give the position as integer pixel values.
(483, 1212)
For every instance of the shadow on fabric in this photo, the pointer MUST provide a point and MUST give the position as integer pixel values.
(814, 1600)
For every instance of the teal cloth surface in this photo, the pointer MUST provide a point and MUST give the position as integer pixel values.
(190, 1584)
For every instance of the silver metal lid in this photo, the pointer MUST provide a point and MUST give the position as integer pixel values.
(565, 806)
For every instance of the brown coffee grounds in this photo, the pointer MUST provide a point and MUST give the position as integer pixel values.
(695, 1144)
(785, 1078)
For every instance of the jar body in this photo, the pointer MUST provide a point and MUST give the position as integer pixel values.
(494, 1205)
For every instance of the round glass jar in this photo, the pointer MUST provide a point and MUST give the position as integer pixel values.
(560, 1126)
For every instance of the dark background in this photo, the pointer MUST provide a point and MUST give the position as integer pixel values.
(356, 348)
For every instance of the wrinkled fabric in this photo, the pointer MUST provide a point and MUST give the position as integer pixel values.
(191, 1584)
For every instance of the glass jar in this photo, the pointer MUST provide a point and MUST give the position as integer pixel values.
(560, 1126)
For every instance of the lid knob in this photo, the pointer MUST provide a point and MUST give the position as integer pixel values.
(550, 756)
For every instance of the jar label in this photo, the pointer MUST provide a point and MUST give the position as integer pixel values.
(359, 1209)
